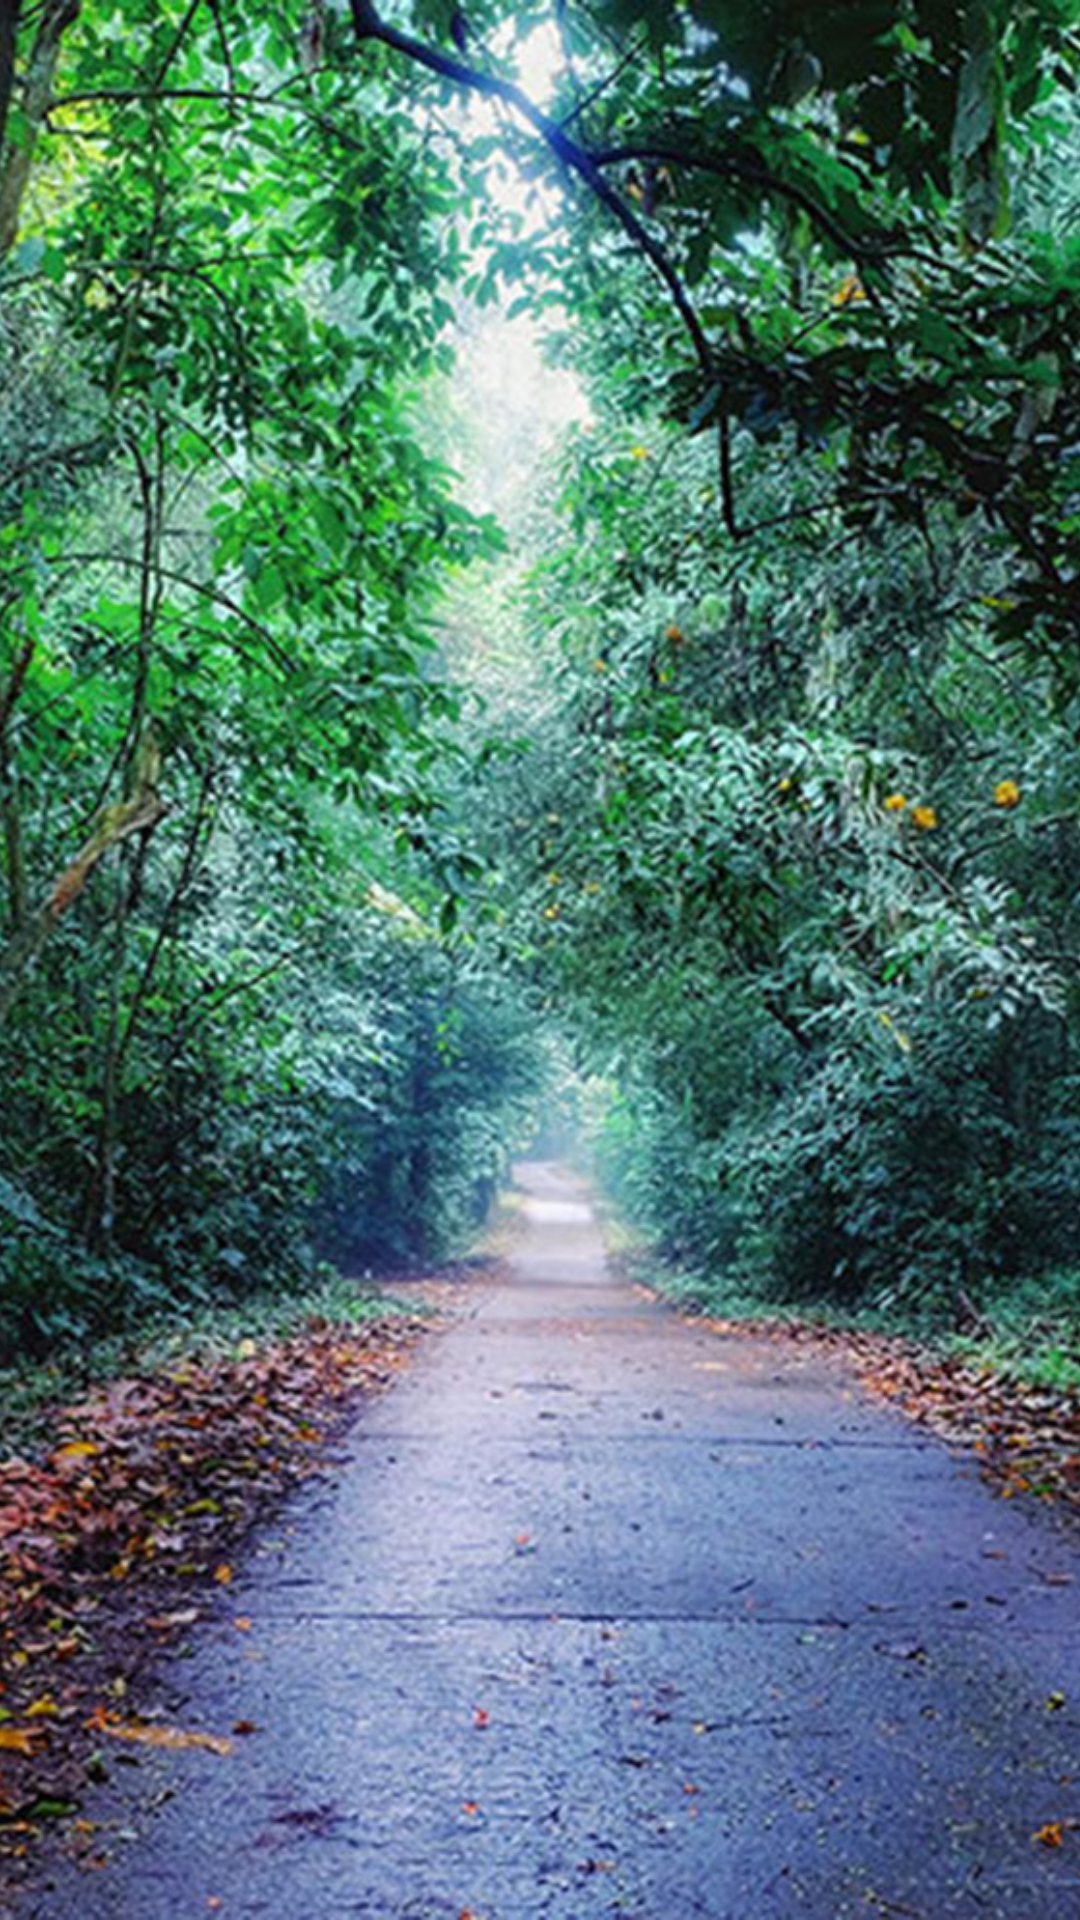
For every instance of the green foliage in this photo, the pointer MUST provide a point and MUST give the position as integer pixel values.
(225, 1014)
(799, 842)
(777, 813)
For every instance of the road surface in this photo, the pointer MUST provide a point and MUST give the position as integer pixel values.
(606, 1614)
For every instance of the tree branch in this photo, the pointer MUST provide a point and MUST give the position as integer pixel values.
(139, 813)
(573, 157)
(753, 171)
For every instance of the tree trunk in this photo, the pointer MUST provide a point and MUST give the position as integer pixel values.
(18, 156)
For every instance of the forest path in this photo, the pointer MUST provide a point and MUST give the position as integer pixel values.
(607, 1614)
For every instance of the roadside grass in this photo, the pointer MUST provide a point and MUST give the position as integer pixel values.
(1028, 1333)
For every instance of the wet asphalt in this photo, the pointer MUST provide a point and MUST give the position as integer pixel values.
(604, 1613)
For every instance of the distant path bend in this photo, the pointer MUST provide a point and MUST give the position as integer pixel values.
(608, 1615)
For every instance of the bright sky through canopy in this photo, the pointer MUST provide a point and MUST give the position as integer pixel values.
(520, 405)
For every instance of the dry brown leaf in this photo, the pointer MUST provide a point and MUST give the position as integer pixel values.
(176, 1739)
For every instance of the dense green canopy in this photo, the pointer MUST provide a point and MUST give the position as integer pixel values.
(772, 809)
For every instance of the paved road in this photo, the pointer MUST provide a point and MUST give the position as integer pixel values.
(607, 1615)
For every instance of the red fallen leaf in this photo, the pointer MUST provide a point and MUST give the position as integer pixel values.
(245, 1726)
(471, 1807)
(481, 1718)
(1051, 1835)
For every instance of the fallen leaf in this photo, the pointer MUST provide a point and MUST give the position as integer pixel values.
(1051, 1835)
(176, 1739)
(23, 1740)
(481, 1718)
(470, 1807)
(165, 1622)
(245, 1726)
(76, 1450)
(242, 1623)
(223, 1574)
(1055, 1702)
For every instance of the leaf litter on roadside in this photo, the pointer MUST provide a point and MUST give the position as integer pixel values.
(103, 1539)
(1026, 1438)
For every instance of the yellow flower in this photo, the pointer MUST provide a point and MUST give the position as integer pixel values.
(1006, 794)
(600, 666)
(639, 453)
(850, 289)
(895, 802)
(551, 913)
(924, 817)
(554, 879)
(785, 785)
